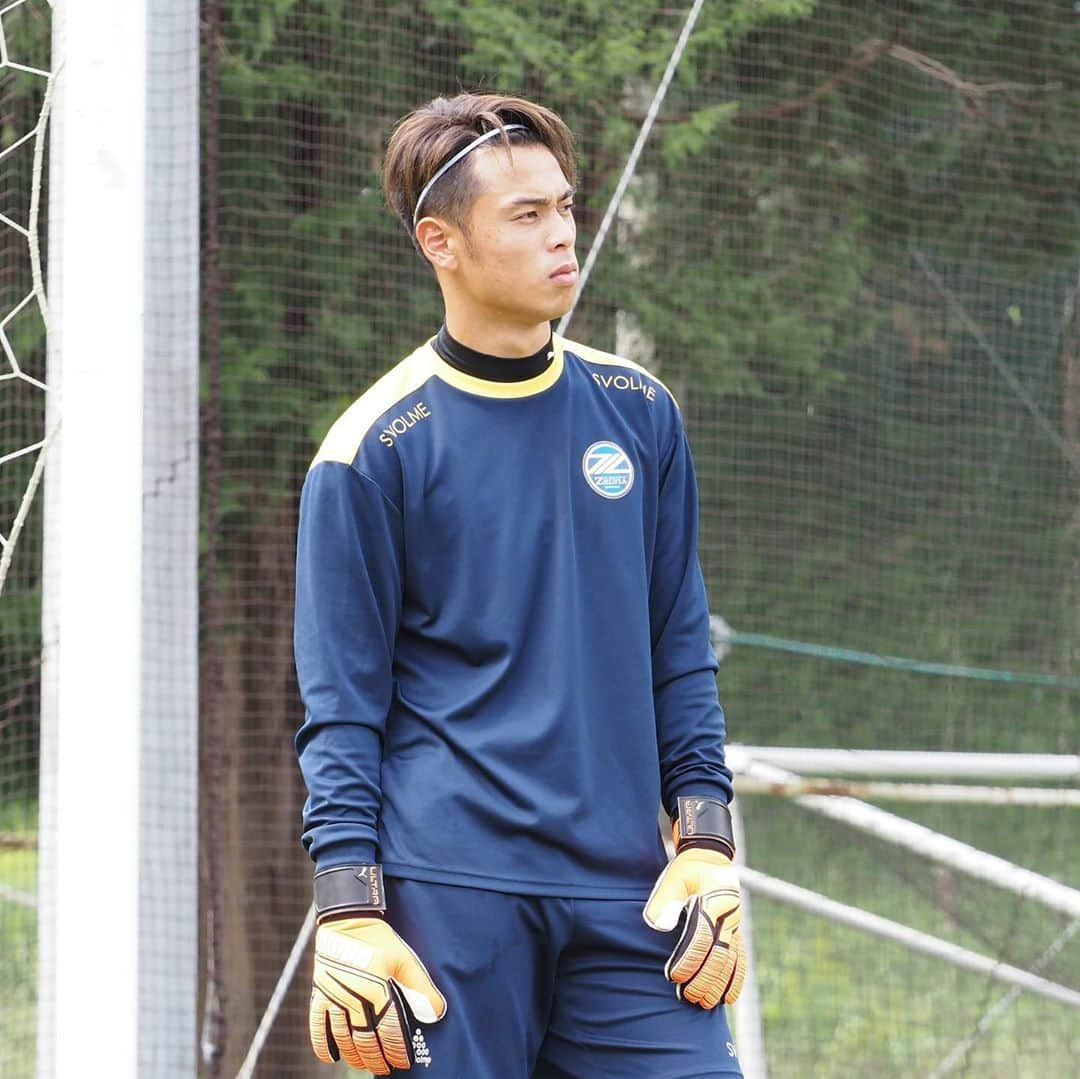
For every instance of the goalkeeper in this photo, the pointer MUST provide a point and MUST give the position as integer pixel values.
(502, 641)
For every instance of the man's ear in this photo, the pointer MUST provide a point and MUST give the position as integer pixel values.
(437, 242)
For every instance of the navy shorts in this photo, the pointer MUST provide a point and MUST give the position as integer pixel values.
(546, 988)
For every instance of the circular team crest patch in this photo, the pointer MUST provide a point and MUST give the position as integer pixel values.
(608, 470)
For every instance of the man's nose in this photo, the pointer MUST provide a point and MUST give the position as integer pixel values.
(563, 233)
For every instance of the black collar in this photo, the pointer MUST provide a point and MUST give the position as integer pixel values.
(491, 368)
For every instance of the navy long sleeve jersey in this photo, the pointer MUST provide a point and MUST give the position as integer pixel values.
(502, 633)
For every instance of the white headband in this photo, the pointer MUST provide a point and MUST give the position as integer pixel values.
(479, 140)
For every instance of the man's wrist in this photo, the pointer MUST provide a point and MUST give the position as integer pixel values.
(704, 823)
(349, 889)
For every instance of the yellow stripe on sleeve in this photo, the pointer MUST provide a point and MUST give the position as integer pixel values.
(343, 439)
(608, 359)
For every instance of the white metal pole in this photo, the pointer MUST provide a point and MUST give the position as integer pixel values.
(880, 762)
(96, 287)
(749, 1036)
(116, 983)
(963, 793)
(277, 998)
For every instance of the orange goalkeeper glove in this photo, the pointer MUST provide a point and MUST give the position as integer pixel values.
(708, 964)
(369, 988)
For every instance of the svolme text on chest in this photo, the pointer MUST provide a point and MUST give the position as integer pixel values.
(400, 424)
(625, 382)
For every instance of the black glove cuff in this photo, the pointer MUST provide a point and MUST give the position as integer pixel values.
(349, 889)
(705, 822)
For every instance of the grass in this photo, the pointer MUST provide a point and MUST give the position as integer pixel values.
(18, 965)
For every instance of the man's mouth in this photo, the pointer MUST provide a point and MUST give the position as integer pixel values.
(567, 274)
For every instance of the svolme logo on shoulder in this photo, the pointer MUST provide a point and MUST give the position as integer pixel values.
(608, 470)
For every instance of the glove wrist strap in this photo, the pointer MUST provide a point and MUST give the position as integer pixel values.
(705, 823)
(349, 889)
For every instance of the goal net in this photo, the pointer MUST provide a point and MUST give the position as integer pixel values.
(25, 85)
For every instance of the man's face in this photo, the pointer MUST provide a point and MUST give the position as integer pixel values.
(516, 259)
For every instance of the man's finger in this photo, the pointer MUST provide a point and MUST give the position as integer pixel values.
(735, 988)
(342, 1031)
(371, 1053)
(396, 1028)
(322, 1040)
(720, 979)
(426, 1002)
(421, 1005)
(693, 946)
(707, 955)
(710, 985)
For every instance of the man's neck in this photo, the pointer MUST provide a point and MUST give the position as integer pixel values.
(491, 368)
(494, 339)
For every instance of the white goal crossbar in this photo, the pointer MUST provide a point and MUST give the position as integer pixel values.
(915, 792)
(880, 762)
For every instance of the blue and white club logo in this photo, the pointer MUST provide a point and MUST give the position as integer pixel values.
(608, 470)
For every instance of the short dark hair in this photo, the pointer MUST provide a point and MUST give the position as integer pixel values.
(429, 136)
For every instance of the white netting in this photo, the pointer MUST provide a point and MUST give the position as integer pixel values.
(25, 100)
(10, 530)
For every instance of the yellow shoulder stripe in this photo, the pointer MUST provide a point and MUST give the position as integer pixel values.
(344, 438)
(594, 355)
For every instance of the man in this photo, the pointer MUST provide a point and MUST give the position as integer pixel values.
(503, 648)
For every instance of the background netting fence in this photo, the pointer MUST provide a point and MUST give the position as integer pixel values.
(24, 64)
(852, 249)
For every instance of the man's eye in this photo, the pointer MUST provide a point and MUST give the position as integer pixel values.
(566, 208)
(528, 215)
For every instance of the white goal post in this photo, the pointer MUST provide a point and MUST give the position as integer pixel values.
(118, 882)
